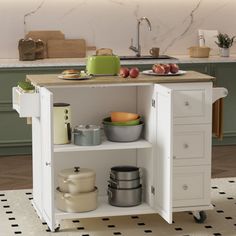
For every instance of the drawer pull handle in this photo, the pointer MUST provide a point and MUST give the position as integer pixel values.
(186, 145)
(186, 103)
(185, 187)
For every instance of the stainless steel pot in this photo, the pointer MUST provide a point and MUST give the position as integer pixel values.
(80, 202)
(124, 184)
(124, 197)
(87, 135)
(76, 180)
(124, 172)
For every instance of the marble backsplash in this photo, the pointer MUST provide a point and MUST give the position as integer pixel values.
(112, 23)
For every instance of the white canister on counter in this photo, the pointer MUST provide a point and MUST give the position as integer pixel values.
(62, 121)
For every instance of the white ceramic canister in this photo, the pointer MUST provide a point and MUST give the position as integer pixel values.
(62, 121)
(76, 180)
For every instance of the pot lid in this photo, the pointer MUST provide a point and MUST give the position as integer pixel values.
(86, 128)
(77, 172)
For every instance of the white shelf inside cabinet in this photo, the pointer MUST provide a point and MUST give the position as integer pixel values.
(106, 145)
(104, 209)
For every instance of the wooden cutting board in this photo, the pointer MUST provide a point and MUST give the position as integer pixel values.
(45, 35)
(68, 48)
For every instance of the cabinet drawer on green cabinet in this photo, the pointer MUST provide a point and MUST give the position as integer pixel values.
(192, 144)
(191, 186)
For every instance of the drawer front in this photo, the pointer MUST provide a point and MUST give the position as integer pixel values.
(192, 105)
(191, 186)
(192, 145)
(26, 104)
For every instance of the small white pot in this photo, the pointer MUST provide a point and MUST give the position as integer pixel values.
(224, 52)
(80, 202)
(76, 180)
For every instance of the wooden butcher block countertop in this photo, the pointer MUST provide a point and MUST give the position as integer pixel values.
(52, 80)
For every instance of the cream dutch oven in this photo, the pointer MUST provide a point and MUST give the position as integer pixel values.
(76, 180)
(80, 202)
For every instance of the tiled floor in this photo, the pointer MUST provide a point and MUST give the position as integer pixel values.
(17, 217)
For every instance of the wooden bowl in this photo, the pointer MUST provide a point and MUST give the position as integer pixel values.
(123, 116)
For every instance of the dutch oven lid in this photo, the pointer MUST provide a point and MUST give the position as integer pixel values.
(77, 172)
(124, 168)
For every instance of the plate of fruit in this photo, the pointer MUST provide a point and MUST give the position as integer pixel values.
(164, 70)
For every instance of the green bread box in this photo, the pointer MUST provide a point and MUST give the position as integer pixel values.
(103, 65)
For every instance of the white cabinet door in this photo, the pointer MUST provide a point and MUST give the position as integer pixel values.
(163, 160)
(46, 99)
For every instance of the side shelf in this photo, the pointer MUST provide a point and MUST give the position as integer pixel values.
(26, 104)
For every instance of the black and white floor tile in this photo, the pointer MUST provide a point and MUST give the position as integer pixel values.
(18, 217)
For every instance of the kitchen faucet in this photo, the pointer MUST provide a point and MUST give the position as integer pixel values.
(137, 49)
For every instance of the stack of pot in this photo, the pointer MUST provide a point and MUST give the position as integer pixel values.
(77, 191)
(124, 189)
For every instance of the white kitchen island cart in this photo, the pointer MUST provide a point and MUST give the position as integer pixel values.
(174, 153)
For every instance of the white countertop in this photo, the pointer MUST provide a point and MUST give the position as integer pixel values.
(70, 62)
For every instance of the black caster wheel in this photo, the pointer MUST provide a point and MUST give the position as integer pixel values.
(200, 217)
(57, 228)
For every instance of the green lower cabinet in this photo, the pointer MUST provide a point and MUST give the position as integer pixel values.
(202, 68)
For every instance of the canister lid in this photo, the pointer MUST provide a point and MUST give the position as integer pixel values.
(77, 172)
(86, 128)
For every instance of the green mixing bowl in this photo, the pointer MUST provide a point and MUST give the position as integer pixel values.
(108, 121)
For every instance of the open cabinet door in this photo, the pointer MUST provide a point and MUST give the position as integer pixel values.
(163, 158)
(46, 101)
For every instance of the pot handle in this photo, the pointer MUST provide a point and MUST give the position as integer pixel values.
(109, 193)
(65, 196)
(113, 182)
(112, 175)
(65, 181)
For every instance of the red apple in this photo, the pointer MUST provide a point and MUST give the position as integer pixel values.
(174, 68)
(124, 72)
(159, 69)
(134, 72)
(167, 68)
(153, 67)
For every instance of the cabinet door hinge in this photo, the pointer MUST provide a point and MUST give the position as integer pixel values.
(153, 103)
(152, 190)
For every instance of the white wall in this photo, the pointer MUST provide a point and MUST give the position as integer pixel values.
(112, 23)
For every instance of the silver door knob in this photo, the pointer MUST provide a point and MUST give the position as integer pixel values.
(47, 163)
(186, 103)
(185, 187)
(186, 145)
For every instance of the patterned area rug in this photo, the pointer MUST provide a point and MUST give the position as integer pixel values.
(17, 217)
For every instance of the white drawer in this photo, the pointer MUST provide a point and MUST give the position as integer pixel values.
(192, 145)
(192, 104)
(191, 186)
(26, 104)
